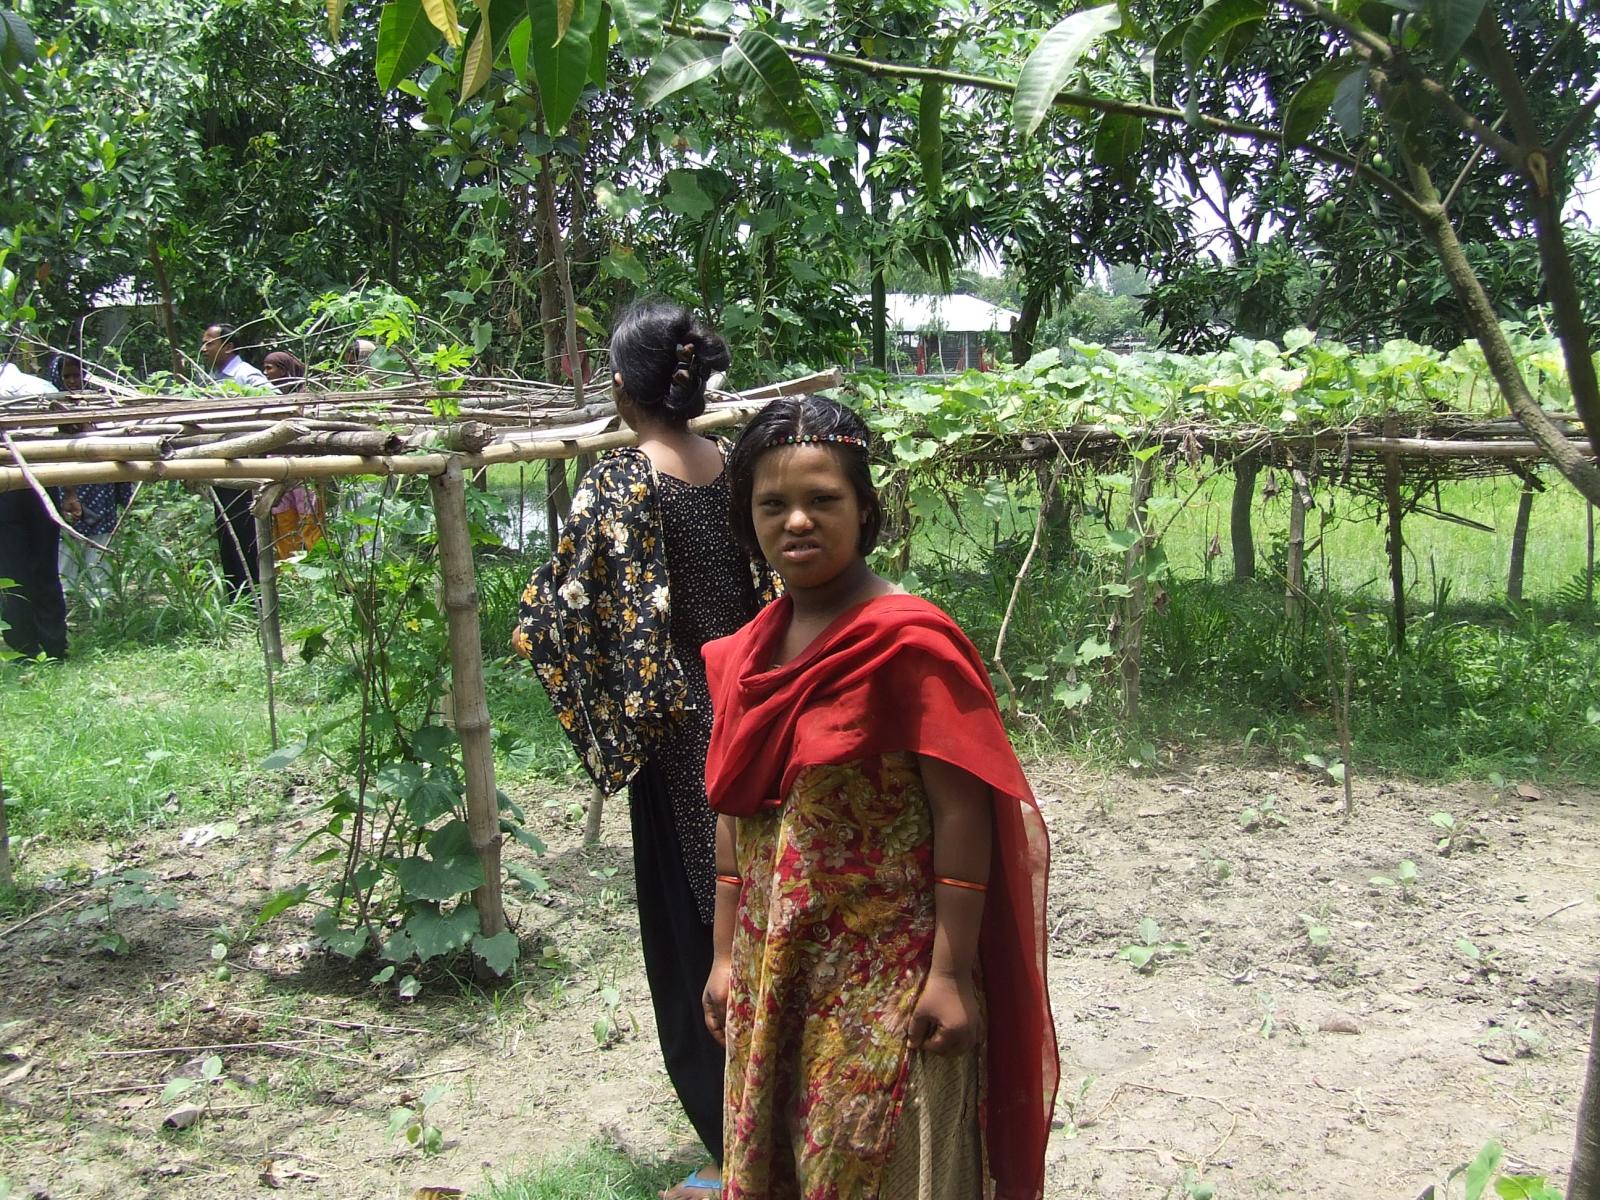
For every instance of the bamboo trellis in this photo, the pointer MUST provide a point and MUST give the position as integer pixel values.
(56, 440)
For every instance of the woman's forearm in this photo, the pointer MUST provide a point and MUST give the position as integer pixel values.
(963, 840)
(727, 859)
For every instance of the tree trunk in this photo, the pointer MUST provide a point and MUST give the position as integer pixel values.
(1396, 539)
(1519, 543)
(1483, 324)
(267, 572)
(1583, 1182)
(470, 703)
(558, 256)
(1026, 325)
(1240, 532)
(591, 820)
(880, 315)
(168, 318)
(1133, 574)
(1588, 562)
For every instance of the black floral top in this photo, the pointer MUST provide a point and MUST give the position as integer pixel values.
(595, 621)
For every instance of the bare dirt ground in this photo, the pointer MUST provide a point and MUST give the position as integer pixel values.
(1257, 1060)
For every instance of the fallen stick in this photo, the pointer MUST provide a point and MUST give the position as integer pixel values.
(286, 1047)
(1562, 909)
(43, 912)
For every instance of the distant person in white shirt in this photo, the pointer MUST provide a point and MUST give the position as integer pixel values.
(35, 608)
(219, 347)
(236, 524)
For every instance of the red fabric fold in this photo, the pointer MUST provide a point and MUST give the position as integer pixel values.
(896, 674)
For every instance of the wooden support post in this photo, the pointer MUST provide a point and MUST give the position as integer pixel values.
(1294, 586)
(1396, 538)
(591, 820)
(471, 702)
(267, 572)
(1583, 1181)
(1588, 570)
(6, 879)
(1133, 574)
(1519, 543)
(1245, 469)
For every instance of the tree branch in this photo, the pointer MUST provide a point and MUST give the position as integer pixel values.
(1099, 104)
(1576, 123)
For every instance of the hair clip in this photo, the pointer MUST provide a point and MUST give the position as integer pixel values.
(830, 439)
(680, 376)
(686, 352)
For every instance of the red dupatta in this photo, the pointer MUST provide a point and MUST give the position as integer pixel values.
(896, 674)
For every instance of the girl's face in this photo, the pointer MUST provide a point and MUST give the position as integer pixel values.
(806, 515)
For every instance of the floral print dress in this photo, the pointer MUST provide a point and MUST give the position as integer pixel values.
(832, 946)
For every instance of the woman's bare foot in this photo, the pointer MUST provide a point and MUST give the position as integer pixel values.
(704, 1184)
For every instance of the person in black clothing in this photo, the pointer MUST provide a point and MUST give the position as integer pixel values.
(35, 608)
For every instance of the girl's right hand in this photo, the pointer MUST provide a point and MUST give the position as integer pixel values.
(715, 999)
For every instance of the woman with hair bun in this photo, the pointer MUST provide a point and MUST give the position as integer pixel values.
(646, 571)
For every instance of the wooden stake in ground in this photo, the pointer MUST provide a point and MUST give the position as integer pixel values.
(591, 822)
(1396, 539)
(471, 702)
(1133, 606)
(1583, 1182)
(1519, 542)
(1294, 587)
(6, 880)
(1245, 469)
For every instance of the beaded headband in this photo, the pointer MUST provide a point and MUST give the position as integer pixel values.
(831, 439)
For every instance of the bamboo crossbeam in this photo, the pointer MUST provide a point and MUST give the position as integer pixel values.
(88, 449)
(246, 445)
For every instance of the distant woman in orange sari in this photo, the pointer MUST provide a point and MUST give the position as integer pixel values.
(881, 865)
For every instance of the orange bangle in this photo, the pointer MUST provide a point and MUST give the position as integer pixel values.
(733, 879)
(961, 883)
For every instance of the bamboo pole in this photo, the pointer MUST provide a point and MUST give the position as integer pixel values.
(1395, 542)
(592, 816)
(267, 588)
(326, 466)
(1519, 543)
(1583, 1180)
(1294, 586)
(7, 881)
(1133, 573)
(470, 702)
(246, 445)
(89, 449)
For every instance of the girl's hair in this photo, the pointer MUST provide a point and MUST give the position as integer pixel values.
(665, 355)
(783, 423)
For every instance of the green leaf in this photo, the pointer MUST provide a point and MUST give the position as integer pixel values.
(561, 70)
(434, 933)
(405, 39)
(600, 47)
(211, 1068)
(1118, 139)
(930, 137)
(1348, 101)
(1451, 23)
(1482, 1169)
(1139, 956)
(282, 902)
(347, 943)
(398, 779)
(684, 62)
(20, 49)
(1306, 110)
(621, 262)
(478, 63)
(685, 196)
(1072, 695)
(638, 25)
(283, 756)
(499, 953)
(443, 17)
(1093, 649)
(758, 66)
(533, 881)
(1149, 931)
(1054, 62)
(439, 879)
(432, 799)
(335, 16)
(1214, 23)
(564, 11)
(1525, 1187)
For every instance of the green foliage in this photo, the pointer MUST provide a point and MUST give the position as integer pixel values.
(1404, 879)
(594, 1174)
(416, 1124)
(1149, 951)
(123, 890)
(395, 821)
(1054, 62)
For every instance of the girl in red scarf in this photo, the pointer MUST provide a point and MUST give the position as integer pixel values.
(881, 864)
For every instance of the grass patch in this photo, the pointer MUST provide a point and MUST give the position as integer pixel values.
(593, 1174)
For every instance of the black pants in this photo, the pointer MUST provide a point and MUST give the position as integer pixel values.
(236, 539)
(677, 958)
(30, 546)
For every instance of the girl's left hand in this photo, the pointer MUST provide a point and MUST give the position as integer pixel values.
(945, 1020)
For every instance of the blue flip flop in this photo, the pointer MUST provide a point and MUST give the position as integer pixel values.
(704, 1185)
